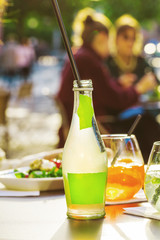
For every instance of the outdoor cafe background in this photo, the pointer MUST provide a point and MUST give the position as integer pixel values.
(31, 111)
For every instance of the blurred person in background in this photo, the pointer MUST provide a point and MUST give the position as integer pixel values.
(126, 64)
(128, 67)
(7, 51)
(25, 58)
(8, 60)
(108, 96)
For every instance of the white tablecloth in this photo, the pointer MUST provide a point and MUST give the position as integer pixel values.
(44, 218)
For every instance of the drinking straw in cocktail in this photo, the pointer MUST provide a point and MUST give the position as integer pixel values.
(132, 128)
(66, 41)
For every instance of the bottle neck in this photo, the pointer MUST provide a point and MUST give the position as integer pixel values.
(83, 108)
(78, 93)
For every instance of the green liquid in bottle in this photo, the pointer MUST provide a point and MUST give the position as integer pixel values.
(85, 192)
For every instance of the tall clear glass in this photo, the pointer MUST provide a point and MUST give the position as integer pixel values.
(152, 177)
(84, 160)
(125, 167)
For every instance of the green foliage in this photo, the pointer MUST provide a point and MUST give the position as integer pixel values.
(143, 10)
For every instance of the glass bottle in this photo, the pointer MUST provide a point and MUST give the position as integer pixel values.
(84, 160)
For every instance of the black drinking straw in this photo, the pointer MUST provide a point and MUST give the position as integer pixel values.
(128, 134)
(66, 41)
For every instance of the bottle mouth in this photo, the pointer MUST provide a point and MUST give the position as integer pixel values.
(117, 136)
(84, 84)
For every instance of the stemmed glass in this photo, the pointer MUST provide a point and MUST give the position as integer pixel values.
(125, 167)
(152, 177)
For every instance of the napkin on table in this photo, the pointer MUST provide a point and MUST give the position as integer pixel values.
(146, 211)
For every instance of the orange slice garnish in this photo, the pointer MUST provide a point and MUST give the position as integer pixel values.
(126, 160)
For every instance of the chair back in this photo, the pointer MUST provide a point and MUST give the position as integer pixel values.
(4, 99)
(25, 90)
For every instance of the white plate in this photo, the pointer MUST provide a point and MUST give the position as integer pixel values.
(10, 181)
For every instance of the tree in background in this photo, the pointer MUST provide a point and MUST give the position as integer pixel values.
(36, 18)
(3, 5)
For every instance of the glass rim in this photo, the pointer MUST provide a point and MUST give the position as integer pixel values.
(117, 136)
(85, 83)
(156, 143)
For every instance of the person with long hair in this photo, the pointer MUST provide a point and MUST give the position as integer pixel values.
(126, 63)
(128, 67)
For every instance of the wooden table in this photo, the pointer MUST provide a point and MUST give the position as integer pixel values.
(44, 218)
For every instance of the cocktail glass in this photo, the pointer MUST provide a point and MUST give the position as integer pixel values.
(152, 177)
(125, 167)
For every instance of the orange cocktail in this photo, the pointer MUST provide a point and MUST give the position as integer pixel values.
(124, 180)
(126, 170)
